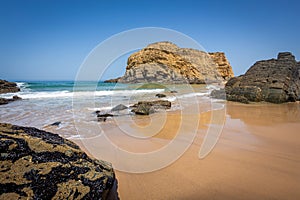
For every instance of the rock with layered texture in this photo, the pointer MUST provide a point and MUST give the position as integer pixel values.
(149, 107)
(40, 165)
(274, 80)
(224, 66)
(164, 62)
(8, 87)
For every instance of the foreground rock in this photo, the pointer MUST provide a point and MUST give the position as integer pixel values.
(40, 165)
(8, 87)
(274, 80)
(149, 107)
(164, 62)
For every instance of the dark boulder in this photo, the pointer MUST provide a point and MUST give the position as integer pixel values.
(15, 98)
(274, 80)
(103, 117)
(160, 95)
(6, 101)
(55, 124)
(143, 109)
(149, 107)
(8, 87)
(36, 164)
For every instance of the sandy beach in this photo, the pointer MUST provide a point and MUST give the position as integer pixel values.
(256, 157)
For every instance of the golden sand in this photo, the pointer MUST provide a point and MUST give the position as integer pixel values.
(257, 157)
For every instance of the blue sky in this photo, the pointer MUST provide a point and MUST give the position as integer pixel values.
(48, 40)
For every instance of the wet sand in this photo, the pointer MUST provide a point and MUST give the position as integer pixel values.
(256, 157)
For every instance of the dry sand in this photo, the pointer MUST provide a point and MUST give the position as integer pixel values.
(256, 157)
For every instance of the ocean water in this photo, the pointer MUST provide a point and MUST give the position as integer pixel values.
(74, 103)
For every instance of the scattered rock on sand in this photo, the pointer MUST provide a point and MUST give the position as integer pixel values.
(36, 164)
(55, 124)
(103, 117)
(160, 95)
(119, 107)
(149, 107)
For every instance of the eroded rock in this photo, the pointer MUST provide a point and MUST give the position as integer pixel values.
(36, 164)
(8, 87)
(274, 80)
(149, 107)
(164, 62)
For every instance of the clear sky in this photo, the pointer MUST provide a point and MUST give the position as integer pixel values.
(48, 40)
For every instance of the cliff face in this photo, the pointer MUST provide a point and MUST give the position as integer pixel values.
(224, 67)
(274, 80)
(164, 62)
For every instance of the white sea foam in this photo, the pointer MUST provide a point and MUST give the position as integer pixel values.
(68, 94)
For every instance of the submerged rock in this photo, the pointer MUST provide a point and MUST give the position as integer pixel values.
(8, 87)
(6, 101)
(274, 80)
(36, 164)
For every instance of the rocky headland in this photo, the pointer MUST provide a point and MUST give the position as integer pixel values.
(8, 87)
(165, 62)
(274, 80)
(36, 164)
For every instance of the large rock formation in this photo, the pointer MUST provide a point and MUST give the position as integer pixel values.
(164, 62)
(7, 87)
(40, 165)
(224, 67)
(274, 80)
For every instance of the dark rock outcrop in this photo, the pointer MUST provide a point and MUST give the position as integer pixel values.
(36, 164)
(8, 87)
(114, 80)
(149, 107)
(103, 117)
(6, 101)
(274, 80)
(164, 62)
(160, 95)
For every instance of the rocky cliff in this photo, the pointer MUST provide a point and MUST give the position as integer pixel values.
(164, 62)
(40, 165)
(274, 80)
(7, 87)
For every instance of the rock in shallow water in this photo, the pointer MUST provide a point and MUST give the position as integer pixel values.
(7, 87)
(40, 165)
